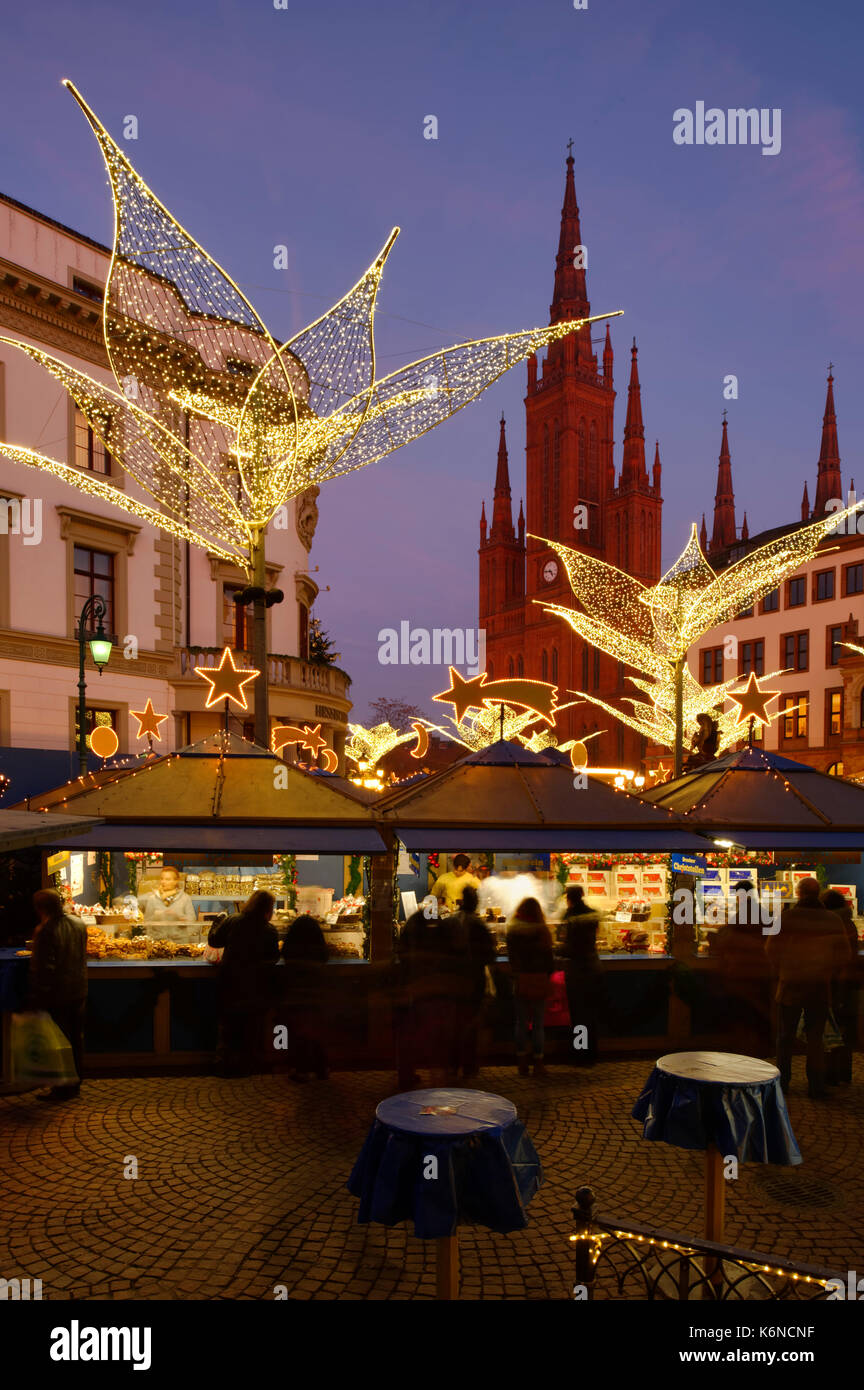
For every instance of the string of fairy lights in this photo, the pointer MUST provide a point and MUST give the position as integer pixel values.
(217, 423)
(652, 628)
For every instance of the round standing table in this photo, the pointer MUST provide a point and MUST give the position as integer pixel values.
(442, 1158)
(721, 1102)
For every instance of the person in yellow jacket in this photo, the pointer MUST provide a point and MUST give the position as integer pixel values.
(452, 883)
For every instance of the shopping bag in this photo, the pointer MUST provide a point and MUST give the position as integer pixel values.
(40, 1053)
(831, 1037)
(557, 1012)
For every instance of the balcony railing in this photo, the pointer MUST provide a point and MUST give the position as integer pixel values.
(287, 672)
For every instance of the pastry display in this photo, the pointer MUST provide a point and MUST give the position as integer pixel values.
(101, 946)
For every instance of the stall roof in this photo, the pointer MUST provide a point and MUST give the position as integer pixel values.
(19, 829)
(506, 792)
(756, 796)
(217, 782)
(277, 838)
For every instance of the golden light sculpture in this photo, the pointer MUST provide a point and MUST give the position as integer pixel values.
(652, 628)
(285, 734)
(370, 745)
(217, 423)
(331, 762)
(148, 722)
(227, 681)
(479, 693)
(422, 746)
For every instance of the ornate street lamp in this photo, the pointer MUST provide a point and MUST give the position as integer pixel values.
(100, 644)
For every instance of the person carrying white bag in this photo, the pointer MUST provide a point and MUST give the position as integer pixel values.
(57, 987)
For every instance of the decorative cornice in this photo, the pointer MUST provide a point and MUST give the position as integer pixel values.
(16, 645)
(50, 313)
(70, 519)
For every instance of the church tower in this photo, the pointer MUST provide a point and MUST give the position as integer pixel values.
(571, 497)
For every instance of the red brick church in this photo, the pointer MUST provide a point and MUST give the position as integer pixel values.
(574, 497)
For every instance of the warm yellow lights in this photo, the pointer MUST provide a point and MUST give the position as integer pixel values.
(103, 741)
(227, 681)
(217, 424)
(479, 693)
(651, 629)
(310, 739)
(148, 722)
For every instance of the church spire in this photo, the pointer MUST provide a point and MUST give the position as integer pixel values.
(805, 505)
(656, 470)
(570, 293)
(745, 529)
(829, 483)
(502, 511)
(633, 470)
(483, 522)
(724, 499)
(608, 359)
(703, 535)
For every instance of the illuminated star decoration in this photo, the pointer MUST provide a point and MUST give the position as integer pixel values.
(537, 696)
(148, 722)
(308, 738)
(752, 701)
(218, 424)
(227, 681)
(652, 628)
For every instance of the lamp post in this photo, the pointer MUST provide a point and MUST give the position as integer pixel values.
(100, 645)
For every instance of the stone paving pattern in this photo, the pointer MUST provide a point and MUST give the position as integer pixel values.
(242, 1187)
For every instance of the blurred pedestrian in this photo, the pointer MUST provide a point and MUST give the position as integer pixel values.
(435, 988)
(844, 993)
(808, 953)
(305, 955)
(583, 979)
(739, 947)
(473, 950)
(529, 949)
(57, 981)
(247, 983)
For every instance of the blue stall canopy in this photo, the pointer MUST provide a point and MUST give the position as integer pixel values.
(230, 839)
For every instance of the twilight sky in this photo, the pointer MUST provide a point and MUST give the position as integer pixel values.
(304, 126)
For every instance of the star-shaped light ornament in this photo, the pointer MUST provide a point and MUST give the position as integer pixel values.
(227, 681)
(752, 701)
(148, 722)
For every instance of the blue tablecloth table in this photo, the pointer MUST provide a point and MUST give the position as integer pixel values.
(721, 1102)
(442, 1158)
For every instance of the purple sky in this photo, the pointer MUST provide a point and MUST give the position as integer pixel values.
(305, 127)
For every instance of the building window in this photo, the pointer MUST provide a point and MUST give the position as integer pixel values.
(835, 770)
(555, 502)
(793, 721)
(796, 593)
(853, 579)
(510, 666)
(87, 289)
(520, 665)
(833, 714)
(544, 665)
(555, 664)
(823, 585)
(752, 658)
(771, 602)
(303, 631)
(593, 465)
(546, 481)
(833, 648)
(233, 618)
(712, 665)
(94, 574)
(583, 461)
(90, 452)
(795, 651)
(745, 613)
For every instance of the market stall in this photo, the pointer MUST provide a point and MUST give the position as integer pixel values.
(204, 828)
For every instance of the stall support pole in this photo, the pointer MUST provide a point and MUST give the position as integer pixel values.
(715, 1209)
(447, 1267)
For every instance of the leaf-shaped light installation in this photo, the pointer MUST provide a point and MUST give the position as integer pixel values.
(217, 423)
(652, 628)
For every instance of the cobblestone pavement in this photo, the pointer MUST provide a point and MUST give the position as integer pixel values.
(241, 1187)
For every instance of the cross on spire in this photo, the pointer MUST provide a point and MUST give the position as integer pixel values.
(725, 414)
(570, 148)
(830, 368)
